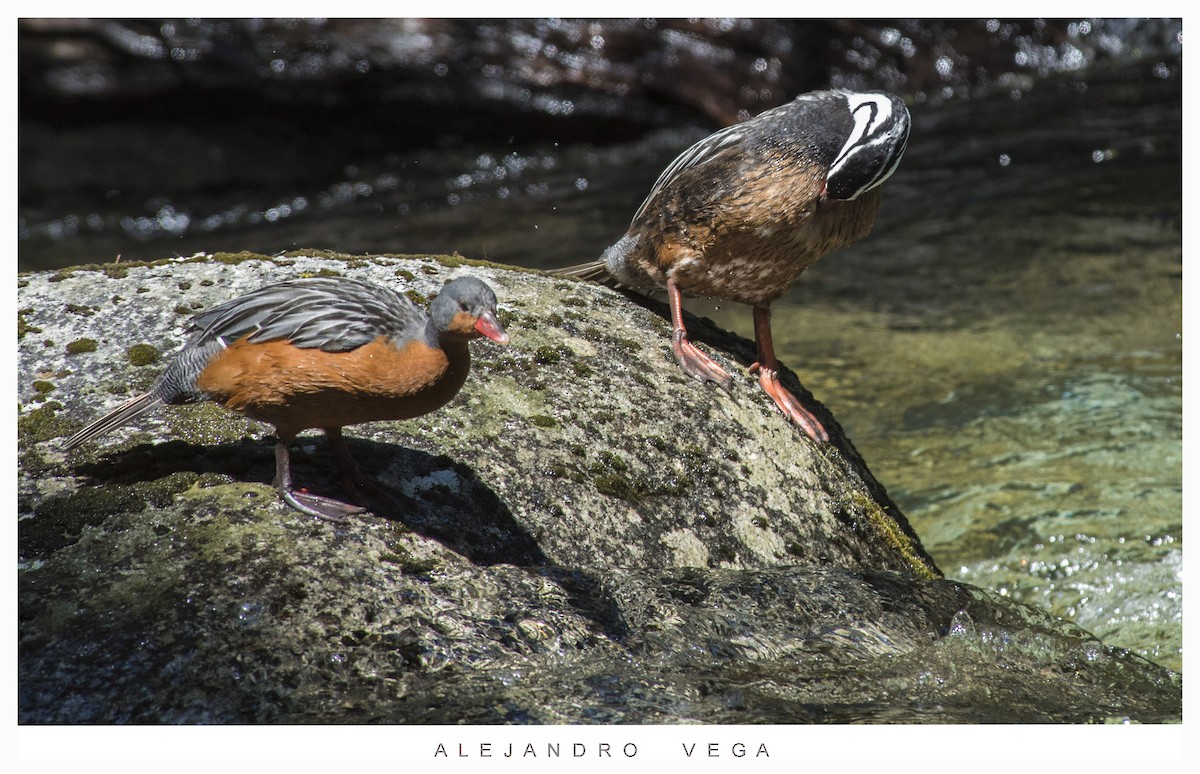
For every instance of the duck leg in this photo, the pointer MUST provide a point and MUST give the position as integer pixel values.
(355, 484)
(767, 369)
(695, 362)
(325, 508)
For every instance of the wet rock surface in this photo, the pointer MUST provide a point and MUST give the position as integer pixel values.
(596, 538)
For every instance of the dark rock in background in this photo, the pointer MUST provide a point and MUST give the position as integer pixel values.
(147, 138)
(581, 79)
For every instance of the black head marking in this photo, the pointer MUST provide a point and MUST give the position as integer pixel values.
(874, 147)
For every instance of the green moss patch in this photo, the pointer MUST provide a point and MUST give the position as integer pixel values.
(142, 354)
(23, 325)
(612, 476)
(549, 355)
(887, 528)
(233, 259)
(60, 520)
(409, 564)
(43, 423)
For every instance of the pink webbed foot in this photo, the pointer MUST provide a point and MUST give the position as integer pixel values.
(698, 364)
(786, 402)
(695, 362)
(324, 508)
(767, 369)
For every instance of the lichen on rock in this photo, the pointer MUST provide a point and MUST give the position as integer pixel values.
(583, 512)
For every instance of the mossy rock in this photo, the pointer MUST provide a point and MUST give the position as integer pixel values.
(590, 536)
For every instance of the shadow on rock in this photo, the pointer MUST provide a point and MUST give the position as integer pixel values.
(452, 505)
(443, 499)
(435, 496)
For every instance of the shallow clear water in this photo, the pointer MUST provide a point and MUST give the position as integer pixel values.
(1005, 350)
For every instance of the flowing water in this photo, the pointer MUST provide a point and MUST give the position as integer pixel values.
(1005, 350)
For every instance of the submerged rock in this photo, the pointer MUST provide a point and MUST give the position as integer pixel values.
(595, 538)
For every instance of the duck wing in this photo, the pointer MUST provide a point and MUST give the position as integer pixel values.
(333, 314)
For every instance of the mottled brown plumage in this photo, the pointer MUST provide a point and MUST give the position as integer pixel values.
(741, 214)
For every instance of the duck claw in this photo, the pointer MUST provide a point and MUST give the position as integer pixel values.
(788, 405)
(698, 364)
(324, 508)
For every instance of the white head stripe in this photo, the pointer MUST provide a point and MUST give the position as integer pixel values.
(869, 111)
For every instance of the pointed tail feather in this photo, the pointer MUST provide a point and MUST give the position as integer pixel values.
(114, 419)
(592, 271)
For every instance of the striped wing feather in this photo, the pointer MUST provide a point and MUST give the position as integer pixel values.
(334, 314)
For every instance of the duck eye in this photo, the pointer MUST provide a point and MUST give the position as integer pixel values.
(463, 306)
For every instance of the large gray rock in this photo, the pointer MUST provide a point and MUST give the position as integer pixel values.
(594, 538)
